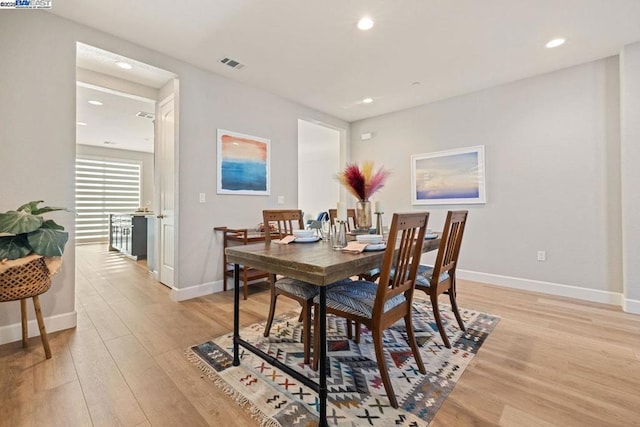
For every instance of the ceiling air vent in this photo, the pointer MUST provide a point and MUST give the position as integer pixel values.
(232, 63)
(145, 115)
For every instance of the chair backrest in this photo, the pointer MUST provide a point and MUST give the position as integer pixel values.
(285, 221)
(351, 218)
(404, 249)
(447, 258)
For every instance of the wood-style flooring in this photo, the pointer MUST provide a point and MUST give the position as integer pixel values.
(551, 361)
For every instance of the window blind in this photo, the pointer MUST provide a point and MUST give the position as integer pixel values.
(104, 186)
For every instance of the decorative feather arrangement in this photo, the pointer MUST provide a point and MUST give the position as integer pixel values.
(363, 183)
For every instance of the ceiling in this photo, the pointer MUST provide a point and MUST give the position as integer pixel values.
(418, 51)
(116, 124)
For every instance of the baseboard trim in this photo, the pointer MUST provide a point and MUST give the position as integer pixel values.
(59, 322)
(196, 291)
(631, 306)
(557, 289)
(203, 289)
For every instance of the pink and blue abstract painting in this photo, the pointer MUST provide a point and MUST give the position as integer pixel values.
(243, 164)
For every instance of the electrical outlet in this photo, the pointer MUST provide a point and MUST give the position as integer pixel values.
(281, 200)
(203, 197)
(542, 255)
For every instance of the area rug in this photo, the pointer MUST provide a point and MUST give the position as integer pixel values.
(356, 393)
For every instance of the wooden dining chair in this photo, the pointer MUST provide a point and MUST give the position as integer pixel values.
(441, 277)
(285, 221)
(379, 306)
(351, 218)
(248, 274)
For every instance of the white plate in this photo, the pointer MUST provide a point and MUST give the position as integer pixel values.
(369, 238)
(304, 234)
(376, 247)
(431, 236)
(306, 239)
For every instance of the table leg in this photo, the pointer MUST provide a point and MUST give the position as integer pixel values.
(322, 392)
(236, 314)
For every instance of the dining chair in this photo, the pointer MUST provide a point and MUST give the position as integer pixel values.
(379, 306)
(441, 277)
(248, 274)
(285, 221)
(351, 218)
(371, 275)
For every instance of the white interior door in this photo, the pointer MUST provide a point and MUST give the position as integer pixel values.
(165, 173)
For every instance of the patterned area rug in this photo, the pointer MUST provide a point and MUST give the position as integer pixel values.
(356, 393)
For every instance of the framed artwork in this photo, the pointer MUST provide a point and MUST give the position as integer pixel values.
(448, 177)
(243, 164)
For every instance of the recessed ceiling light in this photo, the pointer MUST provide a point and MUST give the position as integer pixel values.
(365, 23)
(555, 43)
(367, 100)
(124, 65)
(93, 102)
(81, 123)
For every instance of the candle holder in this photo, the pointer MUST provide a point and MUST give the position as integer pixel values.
(340, 235)
(379, 222)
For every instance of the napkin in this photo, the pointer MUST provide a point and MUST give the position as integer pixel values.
(354, 247)
(285, 240)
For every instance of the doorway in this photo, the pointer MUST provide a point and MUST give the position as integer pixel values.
(319, 154)
(117, 105)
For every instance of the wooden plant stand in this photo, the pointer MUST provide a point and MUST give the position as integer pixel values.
(24, 278)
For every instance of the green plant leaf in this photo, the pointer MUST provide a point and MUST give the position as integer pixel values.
(17, 222)
(48, 242)
(33, 209)
(14, 247)
(30, 207)
(52, 225)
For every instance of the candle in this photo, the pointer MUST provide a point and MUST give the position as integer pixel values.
(378, 207)
(341, 214)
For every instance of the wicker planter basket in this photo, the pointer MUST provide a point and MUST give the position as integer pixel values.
(25, 281)
(25, 278)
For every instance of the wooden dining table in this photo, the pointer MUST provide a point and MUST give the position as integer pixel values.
(316, 263)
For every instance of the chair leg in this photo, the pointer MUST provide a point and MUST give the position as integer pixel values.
(349, 330)
(272, 310)
(454, 308)
(23, 315)
(357, 326)
(43, 331)
(382, 366)
(413, 343)
(245, 282)
(301, 317)
(436, 316)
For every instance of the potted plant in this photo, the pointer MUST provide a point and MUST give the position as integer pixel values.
(30, 251)
(24, 231)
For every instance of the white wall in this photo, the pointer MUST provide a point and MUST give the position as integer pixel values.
(630, 159)
(146, 190)
(552, 172)
(37, 142)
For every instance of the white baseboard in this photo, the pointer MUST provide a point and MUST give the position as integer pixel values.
(196, 291)
(203, 289)
(631, 306)
(59, 322)
(558, 289)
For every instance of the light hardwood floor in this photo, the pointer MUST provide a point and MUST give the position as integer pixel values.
(550, 361)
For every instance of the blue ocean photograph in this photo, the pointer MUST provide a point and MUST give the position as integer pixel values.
(449, 177)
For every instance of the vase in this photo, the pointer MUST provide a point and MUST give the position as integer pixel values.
(363, 216)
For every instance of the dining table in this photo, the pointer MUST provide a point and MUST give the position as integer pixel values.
(316, 263)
